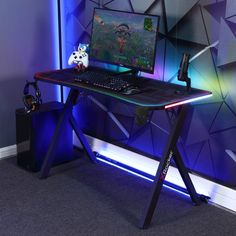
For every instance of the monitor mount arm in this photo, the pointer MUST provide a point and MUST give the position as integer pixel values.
(183, 71)
(130, 71)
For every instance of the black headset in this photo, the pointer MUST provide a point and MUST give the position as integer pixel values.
(31, 103)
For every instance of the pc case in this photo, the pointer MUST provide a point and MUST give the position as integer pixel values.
(34, 132)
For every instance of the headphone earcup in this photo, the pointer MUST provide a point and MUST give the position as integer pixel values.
(29, 102)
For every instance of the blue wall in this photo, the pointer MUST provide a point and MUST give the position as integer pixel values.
(207, 142)
(28, 44)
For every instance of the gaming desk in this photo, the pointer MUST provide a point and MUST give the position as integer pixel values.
(155, 95)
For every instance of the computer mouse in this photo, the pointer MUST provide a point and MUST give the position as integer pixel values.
(131, 90)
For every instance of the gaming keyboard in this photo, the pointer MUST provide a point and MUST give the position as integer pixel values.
(104, 80)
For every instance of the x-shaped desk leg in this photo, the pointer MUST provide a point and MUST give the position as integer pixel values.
(169, 152)
(66, 116)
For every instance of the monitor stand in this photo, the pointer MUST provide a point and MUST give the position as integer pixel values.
(131, 71)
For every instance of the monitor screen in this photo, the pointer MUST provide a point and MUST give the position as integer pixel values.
(124, 38)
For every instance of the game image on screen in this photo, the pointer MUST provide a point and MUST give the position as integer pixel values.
(124, 38)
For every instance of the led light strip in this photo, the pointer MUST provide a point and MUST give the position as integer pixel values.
(133, 172)
(220, 195)
(187, 101)
(125, 169)
(56, 41)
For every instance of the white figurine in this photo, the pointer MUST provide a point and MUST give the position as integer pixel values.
(80, 57)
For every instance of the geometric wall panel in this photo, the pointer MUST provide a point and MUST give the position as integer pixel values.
(217, 9)
(175, 10)
(192, 20)
(230, 8)
(157, 9)
(119, 130)
(209, 2)
(206, 165)
(90, 5)
(208, 139)
(227, 80)
(160, 121)
(225, 119)
(206, 2)
(232, 19)
(116, 4)
(70, 6)
(198, 127)
(224, 164)
(207, 113)
(200, 123)
(223, 139)
(172, 59)
(227, 45)
(159, 62)
(191, 154)
(224, 80)
(78, 27)
(159, 139)
(212, 26)
(79, 13)
(231, 101)
(204, 74)
(143, 139)
(140, 5)
(231, 154)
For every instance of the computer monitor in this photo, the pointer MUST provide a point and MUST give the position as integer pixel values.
(124, 38)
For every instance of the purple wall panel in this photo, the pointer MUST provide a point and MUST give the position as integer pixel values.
(28, 43)
(208, 136)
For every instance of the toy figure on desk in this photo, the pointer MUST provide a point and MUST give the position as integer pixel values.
(80, 57)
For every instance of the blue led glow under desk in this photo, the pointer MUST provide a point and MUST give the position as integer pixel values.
(155, 95)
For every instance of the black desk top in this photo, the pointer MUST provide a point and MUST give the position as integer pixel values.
(155, 94)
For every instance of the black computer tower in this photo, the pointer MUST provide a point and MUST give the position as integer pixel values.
(33, 135)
